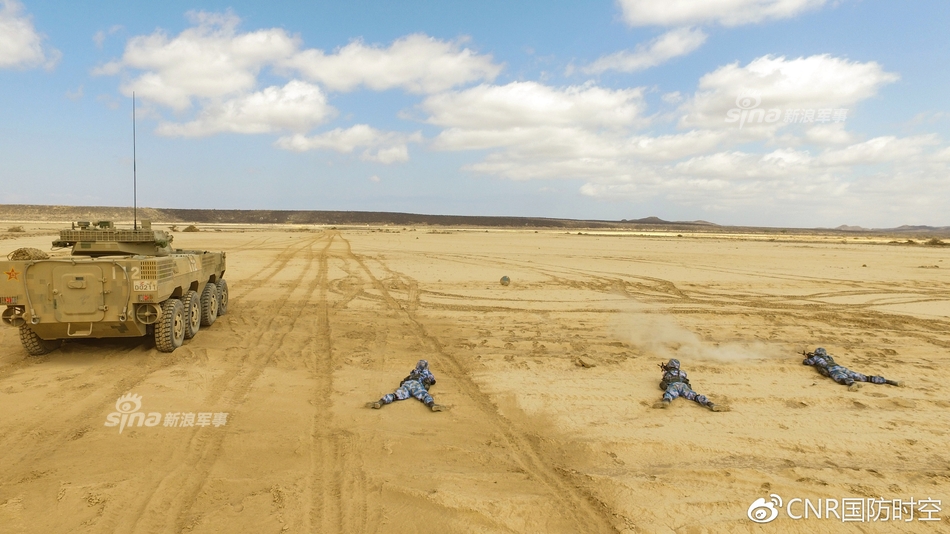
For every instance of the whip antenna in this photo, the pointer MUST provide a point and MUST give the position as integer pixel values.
(135, 219)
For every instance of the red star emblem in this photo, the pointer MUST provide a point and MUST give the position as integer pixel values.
(12, 274)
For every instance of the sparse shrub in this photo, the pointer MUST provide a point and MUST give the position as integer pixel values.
(191, 228)
(934, 242)
(15, 229)
(173, 228)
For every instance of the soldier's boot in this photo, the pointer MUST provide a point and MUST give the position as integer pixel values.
(374, 405)
(435, 407)
(661, 404)
(853, 386)
(897, 383)
(717, 407)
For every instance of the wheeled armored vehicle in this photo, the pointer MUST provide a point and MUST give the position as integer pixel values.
(115, 283)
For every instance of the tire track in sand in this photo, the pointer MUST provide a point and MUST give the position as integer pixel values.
(39, 443)
(166, 504)
(46, 443)
(22, 451)
(587, 513)
(336, 486)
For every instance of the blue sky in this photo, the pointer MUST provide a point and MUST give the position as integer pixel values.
(753, 112)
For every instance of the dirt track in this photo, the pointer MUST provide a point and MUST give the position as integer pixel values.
(549, 381)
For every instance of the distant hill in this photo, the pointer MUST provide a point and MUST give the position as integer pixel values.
(918, 228)
(659, 221)
(915, 229)
(23, 212)
(173, 215)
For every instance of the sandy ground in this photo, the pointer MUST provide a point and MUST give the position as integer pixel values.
(549, 382)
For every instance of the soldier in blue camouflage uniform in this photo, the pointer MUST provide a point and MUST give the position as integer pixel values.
(675, 384)
(826, 365)
(416, 385)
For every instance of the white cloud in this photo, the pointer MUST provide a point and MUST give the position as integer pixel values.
(671, 44)
(560, 152)
(814, 82)
(675, 146)
(828, 134)
(725, 12)
(20, 44)
(541, 131)
(602, 137)
(417, 63)
(213, 68)
(587, 133)
(393, 154)
(297, 106)
(100, 36)
(210, 60)
(738, 166)
(546, 132)
(942, 156)
(535, 144)
(879, 150)
(380, 146)
(672, 98)
(531, 170)
(788, 178)
(526, 104)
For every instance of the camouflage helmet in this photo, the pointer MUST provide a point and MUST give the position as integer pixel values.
(673, 364)
(820, 351)
(422, 365)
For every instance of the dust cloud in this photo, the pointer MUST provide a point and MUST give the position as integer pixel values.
(661, 335)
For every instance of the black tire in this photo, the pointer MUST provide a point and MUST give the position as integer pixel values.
(209, 304)
(222, 296)
(192, 304)
(170, 329)
(34, 344)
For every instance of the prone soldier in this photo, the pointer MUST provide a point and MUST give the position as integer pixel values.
(821, 360)
(676, 384)
(416, 385)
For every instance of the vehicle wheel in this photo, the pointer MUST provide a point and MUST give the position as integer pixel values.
(222, 296)
(35, 345)
(209, 304)
(170, 329)
(192, 303)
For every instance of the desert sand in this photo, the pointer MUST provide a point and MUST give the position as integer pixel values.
(549, 383)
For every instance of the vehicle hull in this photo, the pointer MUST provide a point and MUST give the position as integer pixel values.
(101, 297)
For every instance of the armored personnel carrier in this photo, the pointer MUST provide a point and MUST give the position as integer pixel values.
(115, 283)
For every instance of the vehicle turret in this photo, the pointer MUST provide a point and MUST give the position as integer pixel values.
(102, 238)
